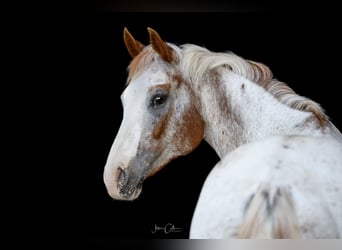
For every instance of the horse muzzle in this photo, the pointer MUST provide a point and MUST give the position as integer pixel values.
(122, 184)
(129, 184)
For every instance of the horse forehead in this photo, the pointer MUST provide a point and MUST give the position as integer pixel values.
(140, 86)
(149, 78)
(155, 69)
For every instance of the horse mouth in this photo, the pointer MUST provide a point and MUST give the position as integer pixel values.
(131, 193)
(129, 187)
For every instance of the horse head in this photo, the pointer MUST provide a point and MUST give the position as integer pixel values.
(161, 118)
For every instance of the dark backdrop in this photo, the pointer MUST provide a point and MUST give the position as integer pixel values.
(299, 47)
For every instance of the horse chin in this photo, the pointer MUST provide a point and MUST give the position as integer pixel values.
(132, 196)
(117, 194)
(135, 195)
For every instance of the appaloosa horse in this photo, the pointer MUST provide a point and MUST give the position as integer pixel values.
(280, 173)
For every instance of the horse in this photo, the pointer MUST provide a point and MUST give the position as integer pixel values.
(280, 168)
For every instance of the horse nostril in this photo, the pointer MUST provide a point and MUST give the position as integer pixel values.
(122, 176)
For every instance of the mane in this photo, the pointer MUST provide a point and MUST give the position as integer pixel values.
(198, 62)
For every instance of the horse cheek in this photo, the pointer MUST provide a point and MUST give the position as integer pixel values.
(191, 132)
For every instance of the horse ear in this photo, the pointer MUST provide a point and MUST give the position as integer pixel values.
(133, 46)
(158, 45)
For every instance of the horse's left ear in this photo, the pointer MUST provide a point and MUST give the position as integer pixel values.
(164, 50)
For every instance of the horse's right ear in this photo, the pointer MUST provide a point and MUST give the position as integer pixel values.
(133, 46)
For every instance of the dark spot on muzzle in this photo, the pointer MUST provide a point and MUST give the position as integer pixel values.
(130, 179)
(129, 183)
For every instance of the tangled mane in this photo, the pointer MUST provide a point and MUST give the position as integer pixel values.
(196, 62)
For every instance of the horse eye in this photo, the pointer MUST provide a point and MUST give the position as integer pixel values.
(158, 100)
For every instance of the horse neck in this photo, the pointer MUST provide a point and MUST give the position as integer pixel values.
(237, 111)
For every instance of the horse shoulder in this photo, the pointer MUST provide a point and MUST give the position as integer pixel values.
(300, 173)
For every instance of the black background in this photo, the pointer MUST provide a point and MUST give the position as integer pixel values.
(300, 47)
